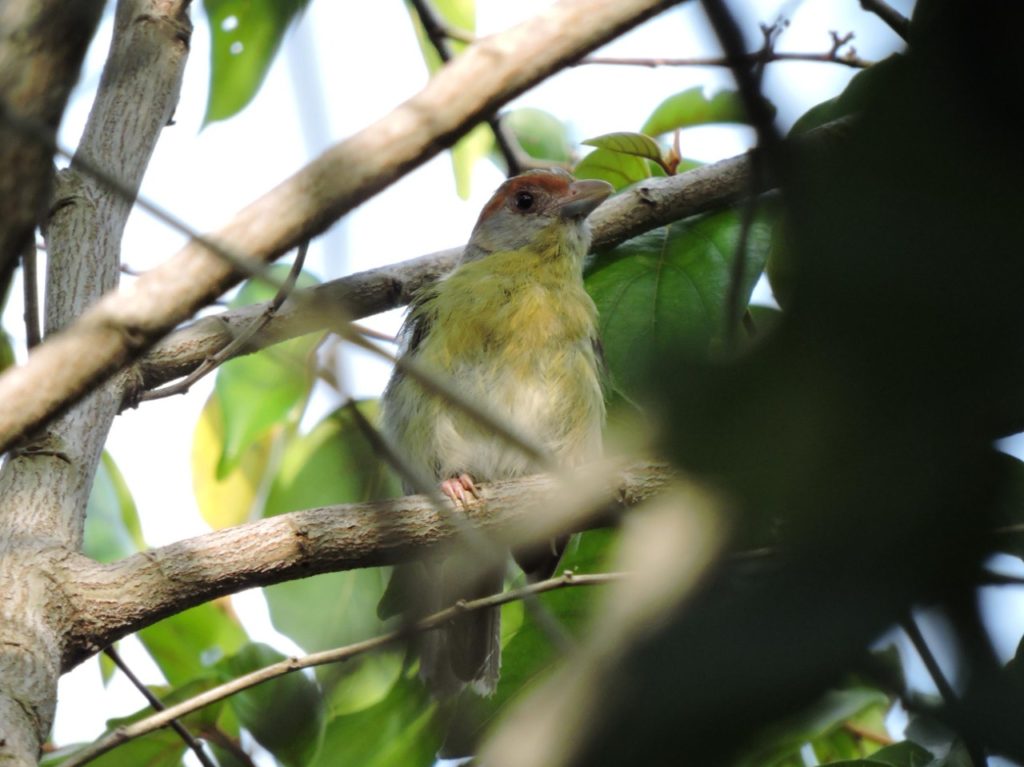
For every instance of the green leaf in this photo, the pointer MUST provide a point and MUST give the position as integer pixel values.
(636, 144)
(245, 36)
(395, 732)
(618, 169)
(785, 738)
(667, 289)
(225, 501)
(479, 142)
(540, 134)
(334, 463)
(185, 645)
(858, 93)
(691, 107)
(259, 390)
(6, 350)
(286, 714)
(112, 529)
(163, 748)
(904, 754)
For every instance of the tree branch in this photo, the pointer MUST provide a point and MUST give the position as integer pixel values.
(899, 23)
(436, 34)
(652, 203)
(169, 715)
(111, 601)
(488, 74)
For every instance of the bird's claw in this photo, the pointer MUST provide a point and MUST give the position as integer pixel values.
(460, 489)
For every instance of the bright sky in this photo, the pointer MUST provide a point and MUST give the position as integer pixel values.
(345, 65)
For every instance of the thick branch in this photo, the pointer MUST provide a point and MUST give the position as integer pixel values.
(653, 203)
(487, 75)
(117, 599)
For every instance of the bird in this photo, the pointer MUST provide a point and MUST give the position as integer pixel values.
(513, 328)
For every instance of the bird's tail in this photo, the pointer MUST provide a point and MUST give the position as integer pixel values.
(467, 652)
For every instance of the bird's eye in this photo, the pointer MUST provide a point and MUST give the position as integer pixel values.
(524, 200)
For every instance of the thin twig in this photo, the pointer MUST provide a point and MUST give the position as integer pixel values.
(990, 578)
(899, 23)
(831, 57)
(438, 34)
(913, 631)
(30, 285)
(238, 342)
(748, 80)
(433, 621)
(158, 705)
(860, 731)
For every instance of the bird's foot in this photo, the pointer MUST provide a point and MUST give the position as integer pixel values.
(460, 489)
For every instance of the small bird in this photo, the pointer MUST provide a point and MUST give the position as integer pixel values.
(512, 326)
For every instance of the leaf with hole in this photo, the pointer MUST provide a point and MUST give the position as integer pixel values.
(245, 37)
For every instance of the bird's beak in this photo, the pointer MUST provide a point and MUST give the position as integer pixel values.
(584, 197)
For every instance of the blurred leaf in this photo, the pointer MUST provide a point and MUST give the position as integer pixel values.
(473, 146)
(822, 718)
(636, 144)
(666, 290)
(540, 134)
(618, 169)
(245, 37)
(258, 390)
(855, 96)
(905, 754)
(365, 684)
(285, 715)
(479, 142)
(334, 463)
(692, 107)
(396, 732)
(163, 748)
(112, 529)
(185, 645)
(227, 501)
(6, 350)
(107, 668)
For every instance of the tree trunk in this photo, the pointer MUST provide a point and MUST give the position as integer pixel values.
(44, 486)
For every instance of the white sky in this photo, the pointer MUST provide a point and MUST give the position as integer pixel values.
(345, 65)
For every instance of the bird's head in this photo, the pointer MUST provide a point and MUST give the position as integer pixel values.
(538, 210)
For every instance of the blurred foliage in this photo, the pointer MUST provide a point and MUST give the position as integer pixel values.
(112, 529)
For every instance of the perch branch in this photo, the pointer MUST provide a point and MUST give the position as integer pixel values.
(899, 23)
(113, 600)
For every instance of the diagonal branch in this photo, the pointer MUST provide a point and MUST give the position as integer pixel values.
(488, 74)
(111, 601)
(653, 203)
